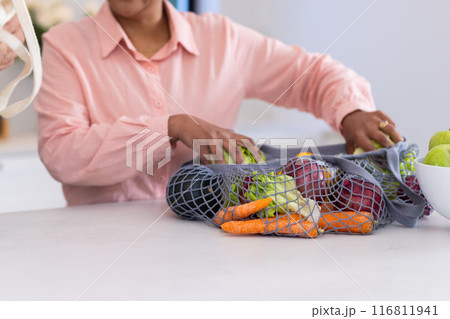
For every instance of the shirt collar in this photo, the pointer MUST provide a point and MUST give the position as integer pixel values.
(110, 32)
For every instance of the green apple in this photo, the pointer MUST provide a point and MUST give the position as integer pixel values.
(439, 138)
(377, 145)
(438, 156)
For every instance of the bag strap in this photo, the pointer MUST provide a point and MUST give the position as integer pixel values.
(31, 58)
(411, 211)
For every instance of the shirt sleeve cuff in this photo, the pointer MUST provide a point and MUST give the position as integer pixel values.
(160, 125)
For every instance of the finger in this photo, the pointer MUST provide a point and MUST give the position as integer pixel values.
(3, 49)
(205, 156)
(390, 129)
(385, 117)
(211, 154)
(231, 146)
(6, 65)
(238, 142)
(393, 133)
(13, 25)
(6, 53)
(217, 151)
(10, 56)
(239, 158)
(252, 147)
(350, 147)
(365, 143)
(203, 160)
(19, 35)
(381, 138)
(6, 59)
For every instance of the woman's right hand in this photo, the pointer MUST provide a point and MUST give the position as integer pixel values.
(183, 128)
(7, 55)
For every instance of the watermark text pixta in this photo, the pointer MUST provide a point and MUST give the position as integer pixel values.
(149, 150)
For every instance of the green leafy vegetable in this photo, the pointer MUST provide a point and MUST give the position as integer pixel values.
(234, 195)
(248, 156)
(285, 196)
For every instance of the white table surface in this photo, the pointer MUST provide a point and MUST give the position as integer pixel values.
(25, 184)
(57, 254)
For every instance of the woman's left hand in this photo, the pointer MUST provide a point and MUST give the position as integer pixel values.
(360, 127)
(7, 55)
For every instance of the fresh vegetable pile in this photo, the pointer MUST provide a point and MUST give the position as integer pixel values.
(304, 197)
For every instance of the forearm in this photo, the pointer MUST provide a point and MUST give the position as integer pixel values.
(291, 77)
(97, 155)
(325, 88)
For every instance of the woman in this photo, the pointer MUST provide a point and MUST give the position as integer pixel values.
(140, 64)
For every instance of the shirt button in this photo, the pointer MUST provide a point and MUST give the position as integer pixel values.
(150, 69)
(158, 103)
(162, 178)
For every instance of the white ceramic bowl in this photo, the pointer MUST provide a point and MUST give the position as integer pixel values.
(435, 184)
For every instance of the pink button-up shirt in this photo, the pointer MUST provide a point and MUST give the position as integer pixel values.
(98, 93)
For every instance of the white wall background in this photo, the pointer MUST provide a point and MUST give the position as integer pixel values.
(401, 46)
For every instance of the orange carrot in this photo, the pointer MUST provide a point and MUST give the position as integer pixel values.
(347, 222)
(241, 211)
(281, 225)
(293, 217)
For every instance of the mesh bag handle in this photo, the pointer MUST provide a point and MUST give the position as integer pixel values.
(405, 213)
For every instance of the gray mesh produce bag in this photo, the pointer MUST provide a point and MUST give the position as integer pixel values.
(307, 195)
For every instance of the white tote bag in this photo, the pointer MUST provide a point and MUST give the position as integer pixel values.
(31, 56)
